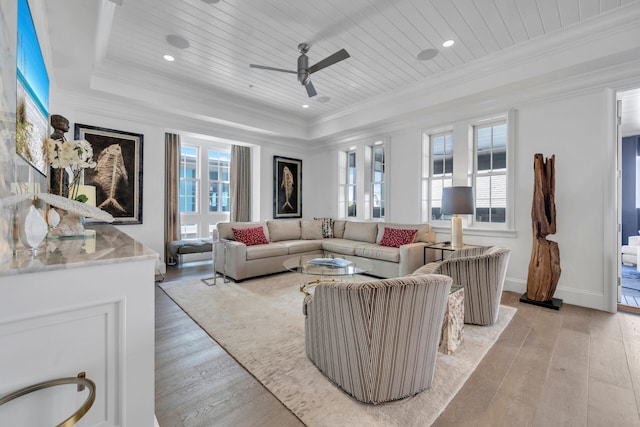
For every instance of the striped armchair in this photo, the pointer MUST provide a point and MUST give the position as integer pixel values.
(377, 340)
(481, 270)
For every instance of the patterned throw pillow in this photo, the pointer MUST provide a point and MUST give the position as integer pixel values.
(396, 237)
(250, 236)
(327, 227)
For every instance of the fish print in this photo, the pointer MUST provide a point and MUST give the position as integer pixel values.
(110, 170)
(287, 184)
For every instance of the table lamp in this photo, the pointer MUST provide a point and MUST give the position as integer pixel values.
(457, 201)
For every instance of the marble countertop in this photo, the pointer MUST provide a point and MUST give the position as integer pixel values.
(108, 246)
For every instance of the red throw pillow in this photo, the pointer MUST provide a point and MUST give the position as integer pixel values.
(250, 236)
(396, 237)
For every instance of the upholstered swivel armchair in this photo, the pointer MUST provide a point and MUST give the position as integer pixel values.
(377, 340)
(481, 271)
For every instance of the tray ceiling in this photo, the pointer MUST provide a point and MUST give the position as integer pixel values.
(383, 38)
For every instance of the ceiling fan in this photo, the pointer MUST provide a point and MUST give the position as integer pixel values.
(304, 71)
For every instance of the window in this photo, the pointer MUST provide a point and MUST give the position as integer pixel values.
(490, 172)
(351, 184)
(219, 181)
(437, 173)
(204, 191)
(189, 181)
(378, 182)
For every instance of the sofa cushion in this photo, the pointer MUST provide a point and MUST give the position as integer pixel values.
(301, 246)
(266, 251)
(373, 251)
(283, 229)
(250, 236)
(340, 246)
(396, 237)
(338, 228)
(311, 229)
(327, 227)
(423, 234)
(225, 228)
(361, 231)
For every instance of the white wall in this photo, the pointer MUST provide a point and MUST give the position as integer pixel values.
(577, 129)
(109, 113)
(151, 231)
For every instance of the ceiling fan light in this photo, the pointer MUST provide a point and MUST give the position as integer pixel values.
(427, 54)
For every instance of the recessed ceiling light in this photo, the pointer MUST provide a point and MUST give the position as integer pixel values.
(448, 43)
(177, 41)
(169, 58)
(323, 99)
(427, 54)
(305, 105)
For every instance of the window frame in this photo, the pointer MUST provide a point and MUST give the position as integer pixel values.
(351, 188)
(428, 176)
(508, 120)
(379, 145)
(220, 182)
(203, 219)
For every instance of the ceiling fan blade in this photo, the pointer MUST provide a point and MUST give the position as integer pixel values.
(311, 91)
(329, 60)
(264, 67)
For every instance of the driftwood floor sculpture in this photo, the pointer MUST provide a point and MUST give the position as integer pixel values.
(544, 265)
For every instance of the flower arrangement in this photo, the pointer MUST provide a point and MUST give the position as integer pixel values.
(72, 157)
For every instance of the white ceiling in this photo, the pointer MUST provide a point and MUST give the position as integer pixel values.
(383, 37)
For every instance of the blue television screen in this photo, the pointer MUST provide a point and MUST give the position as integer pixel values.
(32, 109)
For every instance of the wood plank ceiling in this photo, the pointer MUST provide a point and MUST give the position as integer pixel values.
(383, 38)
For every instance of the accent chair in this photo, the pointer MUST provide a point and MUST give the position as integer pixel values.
(377, 340)
(481, 270)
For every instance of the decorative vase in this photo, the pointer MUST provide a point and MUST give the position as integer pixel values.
(33, 229)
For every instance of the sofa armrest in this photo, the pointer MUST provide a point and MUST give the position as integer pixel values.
(230, 256)
(411, 258)
(634, 240)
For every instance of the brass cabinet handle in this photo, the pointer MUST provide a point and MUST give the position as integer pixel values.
(80, 380)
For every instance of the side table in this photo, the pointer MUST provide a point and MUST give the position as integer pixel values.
(224, 264)
(442, 247)
(453, 323)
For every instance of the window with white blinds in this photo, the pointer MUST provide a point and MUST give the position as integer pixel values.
(490, 172)
(437, 173)
(351, 187)
(378, 187)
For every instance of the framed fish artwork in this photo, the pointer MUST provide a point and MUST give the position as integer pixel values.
(118, 172)
(287, 187)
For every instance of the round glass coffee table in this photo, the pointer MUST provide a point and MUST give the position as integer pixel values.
(325, 268)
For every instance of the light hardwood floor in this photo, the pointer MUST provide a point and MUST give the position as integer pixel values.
(573, 367)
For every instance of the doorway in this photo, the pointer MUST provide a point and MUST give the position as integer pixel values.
(629, 191)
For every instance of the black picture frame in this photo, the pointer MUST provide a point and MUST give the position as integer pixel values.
(118, 175)
(287, 187)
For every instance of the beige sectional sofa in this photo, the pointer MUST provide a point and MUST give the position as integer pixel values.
(351, 240)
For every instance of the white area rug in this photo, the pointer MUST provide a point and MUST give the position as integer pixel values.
(260, 323)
